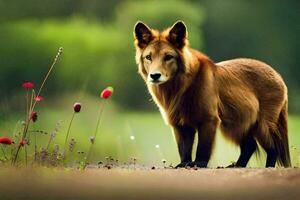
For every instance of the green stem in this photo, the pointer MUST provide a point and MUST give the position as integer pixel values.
(68, 132)
(28, 115)
(24, 134)
(49, 142)
(49, 71)
(96, 131)
(3, 152)
(16, 155)
(27, 102)
(25, 149)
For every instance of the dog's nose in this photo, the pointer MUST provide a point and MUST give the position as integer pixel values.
(155, 76)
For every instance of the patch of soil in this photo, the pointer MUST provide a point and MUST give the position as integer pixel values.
(147, 183)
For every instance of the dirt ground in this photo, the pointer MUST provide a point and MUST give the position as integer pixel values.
(46, 184)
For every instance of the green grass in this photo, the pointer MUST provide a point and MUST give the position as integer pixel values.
(116, 128)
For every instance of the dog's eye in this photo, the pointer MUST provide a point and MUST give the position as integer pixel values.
(148, 57)
(168, 57)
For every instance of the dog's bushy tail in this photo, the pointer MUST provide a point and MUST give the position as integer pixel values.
(281, 143)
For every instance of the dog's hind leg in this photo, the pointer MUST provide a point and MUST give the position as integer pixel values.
(248, 146)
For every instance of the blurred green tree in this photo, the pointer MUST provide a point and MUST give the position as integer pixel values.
(96, 52)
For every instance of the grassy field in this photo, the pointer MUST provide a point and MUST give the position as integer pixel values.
(125, 135)
(115, 133)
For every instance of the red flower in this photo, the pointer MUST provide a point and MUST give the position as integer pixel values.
(39, 98)
(23, 142)
(77, 107)
(33, 116)
(107, 92)
(27, 85)
(6, 140)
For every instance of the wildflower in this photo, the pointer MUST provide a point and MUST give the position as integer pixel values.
(33, 116)
(106, 93)
(56, 148)
(62, 155)
(44, 154)
(77, 107)
(39, 98)
(23, 142)
(27, 85)
(72, 144)
(157, 146)
(6, 140)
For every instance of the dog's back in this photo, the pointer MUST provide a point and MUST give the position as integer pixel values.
(252, 93)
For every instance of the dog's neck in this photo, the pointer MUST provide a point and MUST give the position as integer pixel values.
(169, 96)
(175, 96)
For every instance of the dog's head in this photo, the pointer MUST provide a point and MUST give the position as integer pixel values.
(160, 54)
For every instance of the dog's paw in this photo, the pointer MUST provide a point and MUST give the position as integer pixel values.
(181, 165)
(200, 164)
(233, 165)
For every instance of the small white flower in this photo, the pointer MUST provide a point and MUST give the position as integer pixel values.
(157, 146)
(132, 137)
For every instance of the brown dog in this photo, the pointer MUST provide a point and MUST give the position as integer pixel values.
(246, 98)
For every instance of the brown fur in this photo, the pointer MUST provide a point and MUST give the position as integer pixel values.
(246, 98)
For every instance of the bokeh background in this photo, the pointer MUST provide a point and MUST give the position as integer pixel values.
(98, 51)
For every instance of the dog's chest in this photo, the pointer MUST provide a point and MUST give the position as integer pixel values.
(181, 113)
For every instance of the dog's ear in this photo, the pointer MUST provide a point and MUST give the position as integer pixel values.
(178, 34)
(142, 34)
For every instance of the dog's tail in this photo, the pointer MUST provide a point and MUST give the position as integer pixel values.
(280, 139)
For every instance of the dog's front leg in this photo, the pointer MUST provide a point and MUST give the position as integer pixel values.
(206, 139)
(184, 136)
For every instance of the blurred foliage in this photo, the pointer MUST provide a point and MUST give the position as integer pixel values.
(97, 53)
(98, 41)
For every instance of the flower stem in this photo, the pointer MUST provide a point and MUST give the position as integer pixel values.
(96, 131)
(60, 50)
(25, 150)
(27, 102)
(3, 152)
(68, 132)
(32, 105)
(25, 130)
(49, 142)
(28, 115)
